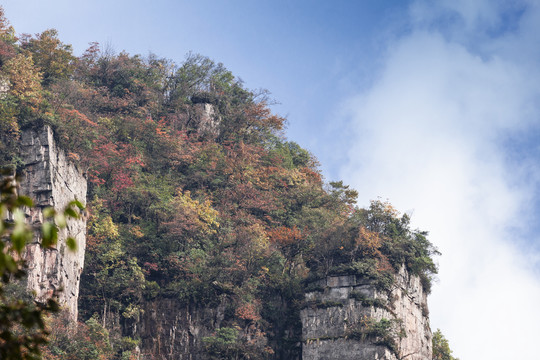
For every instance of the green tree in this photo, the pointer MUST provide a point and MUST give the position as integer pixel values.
(25, 81)
(441, 347)
(7, 39)
(51, 56)
(86, 341)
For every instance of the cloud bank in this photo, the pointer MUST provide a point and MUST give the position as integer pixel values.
(446, 133)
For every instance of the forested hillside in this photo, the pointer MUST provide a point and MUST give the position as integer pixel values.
(195, 194)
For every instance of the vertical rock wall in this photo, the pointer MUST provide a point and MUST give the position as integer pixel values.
(170, 331)
(50, 179)
(208, 121)
(346, 317)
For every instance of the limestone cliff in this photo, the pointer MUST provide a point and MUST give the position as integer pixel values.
(52, 180)
(344, 317)
(347, 317)
(170, 331)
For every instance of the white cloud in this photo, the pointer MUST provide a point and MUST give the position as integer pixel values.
(483, 13)
(429, 138)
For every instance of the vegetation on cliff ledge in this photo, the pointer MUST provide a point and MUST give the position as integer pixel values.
(195, 194)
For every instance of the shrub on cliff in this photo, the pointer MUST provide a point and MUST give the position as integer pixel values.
(441, 347)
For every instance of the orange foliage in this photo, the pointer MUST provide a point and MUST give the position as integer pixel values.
(311, 174)
(71, 115)
(369, 243)
(260, 116)
(285, 236)
(248, 311)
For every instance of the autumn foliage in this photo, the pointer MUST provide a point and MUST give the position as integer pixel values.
(178, 211)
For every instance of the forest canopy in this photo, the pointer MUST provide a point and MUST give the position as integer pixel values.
(195, 193)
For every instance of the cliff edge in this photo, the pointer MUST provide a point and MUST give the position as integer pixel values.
(348, 317)
(50, 179)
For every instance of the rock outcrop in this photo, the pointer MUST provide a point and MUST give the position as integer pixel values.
(208, 121)
(169, 330)
(205, 114)
(50, 179)
(347, 317)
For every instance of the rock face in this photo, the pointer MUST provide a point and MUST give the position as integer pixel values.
(175, 332)
(208, 119)
(50, 179)
(346, 317)
(169, 330)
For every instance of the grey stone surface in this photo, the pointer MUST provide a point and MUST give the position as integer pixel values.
(208, 119)
(50, 179)
(342, 349)
(171, 331)
(331, 316)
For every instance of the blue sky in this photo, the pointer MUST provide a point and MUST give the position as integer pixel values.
(431, 104)
(309, 55)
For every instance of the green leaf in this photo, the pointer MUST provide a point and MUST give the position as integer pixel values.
(18, 239)
(24, 201)
(49, 232)
(71, 244)
(69, 212)
(60, 220)
(7, 262)
(48, 212)
(77, 203)
(20, 233)
(2, 262)
(10, 264)
(19, 217)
